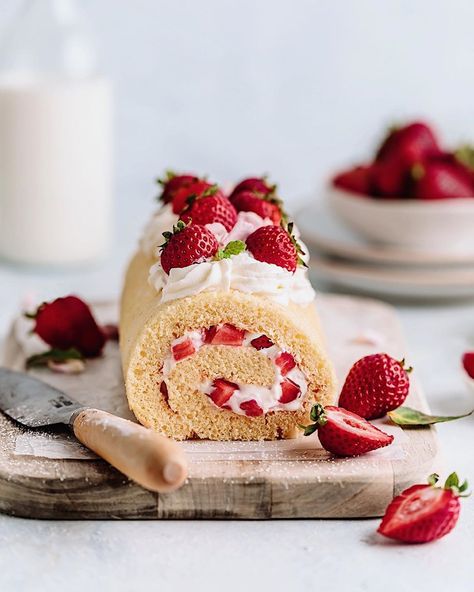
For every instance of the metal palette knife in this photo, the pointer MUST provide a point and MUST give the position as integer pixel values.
(153, 461)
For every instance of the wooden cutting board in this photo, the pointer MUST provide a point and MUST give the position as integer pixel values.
(291, 479)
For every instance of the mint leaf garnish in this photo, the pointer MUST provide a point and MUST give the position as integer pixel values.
(233, 248)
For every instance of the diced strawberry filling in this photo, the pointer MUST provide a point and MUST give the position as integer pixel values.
(289, 391)
(225, 334)
(286, 362)
(223, 391)
(262, 342)
(253, 401)
(183, 349)
(251, 408)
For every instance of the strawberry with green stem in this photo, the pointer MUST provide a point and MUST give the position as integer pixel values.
(424, 513)
(276, 245)
(375, 385)
(210, 207)
(172, 182)
(186, 245)
(344, 433)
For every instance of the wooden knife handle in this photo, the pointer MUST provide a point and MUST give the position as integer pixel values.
(152, 460)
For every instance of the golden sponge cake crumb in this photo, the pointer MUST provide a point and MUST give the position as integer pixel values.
(182, 411)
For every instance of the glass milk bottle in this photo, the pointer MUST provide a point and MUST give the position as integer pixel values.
(55, 140)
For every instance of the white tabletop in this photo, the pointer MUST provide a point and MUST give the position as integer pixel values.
(112, 556)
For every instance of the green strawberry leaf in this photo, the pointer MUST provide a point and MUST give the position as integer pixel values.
(465, 155)
(169, 174)
(53, 355)
(309, 429)
(406, 416)
(453, 483)
(233, 248)
(318, 416)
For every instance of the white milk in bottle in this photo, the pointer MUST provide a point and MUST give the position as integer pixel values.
(55, 141)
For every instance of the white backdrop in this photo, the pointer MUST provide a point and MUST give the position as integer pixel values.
(290, 87)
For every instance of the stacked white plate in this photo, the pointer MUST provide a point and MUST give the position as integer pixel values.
(345, 255)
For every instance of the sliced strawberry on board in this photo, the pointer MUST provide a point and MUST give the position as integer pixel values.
(183, 349)
(262, 342)
(424, 513)
(222, 392)
(251, 408)
(225, 334)
(289, 391)
(286, 362)
(344, 433)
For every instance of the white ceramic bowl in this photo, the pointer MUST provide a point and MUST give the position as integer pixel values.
(438, 225)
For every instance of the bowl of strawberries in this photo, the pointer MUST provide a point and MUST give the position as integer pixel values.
(414, 194)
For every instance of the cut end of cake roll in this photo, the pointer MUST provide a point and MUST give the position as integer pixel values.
(220, 365)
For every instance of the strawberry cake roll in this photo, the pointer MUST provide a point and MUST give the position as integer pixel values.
(219, 333)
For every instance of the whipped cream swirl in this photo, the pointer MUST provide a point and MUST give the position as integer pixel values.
(241, 272)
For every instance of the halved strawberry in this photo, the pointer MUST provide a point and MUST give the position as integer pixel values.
(289, 391)
(183, 349)
(251, 408)
(225, 334)
(424, 513)
(262, 342)
(286, 362)
(223, 391)
(344, 433)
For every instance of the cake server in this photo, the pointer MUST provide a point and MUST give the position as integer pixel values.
(152, 460)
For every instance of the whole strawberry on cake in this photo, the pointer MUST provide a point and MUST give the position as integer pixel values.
(220, 337)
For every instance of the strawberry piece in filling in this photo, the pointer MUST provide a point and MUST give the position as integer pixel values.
(225, 334)
(223, 391)
(183, 349)
(251, 408)
(289, 391)
(262, 342)
(289, 384)
(286, 362)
